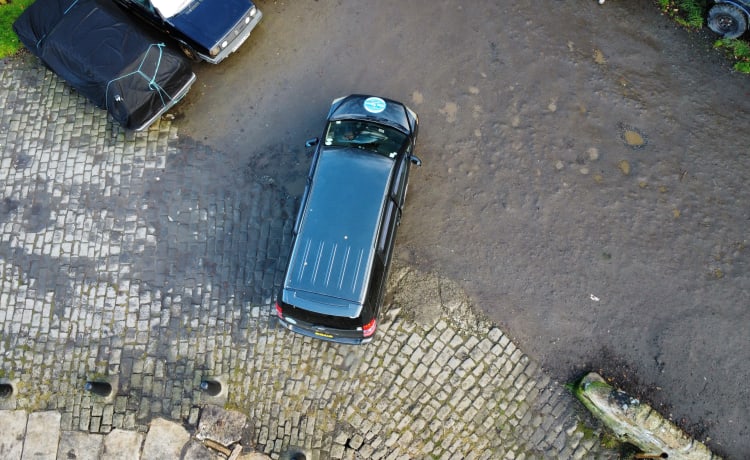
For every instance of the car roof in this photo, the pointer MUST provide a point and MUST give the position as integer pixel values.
(335, 244)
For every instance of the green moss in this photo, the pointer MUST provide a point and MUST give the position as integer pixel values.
(610, 441)
(230, 405)
(588, 432)
(98, 376)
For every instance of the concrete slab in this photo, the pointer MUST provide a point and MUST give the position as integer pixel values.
(42, 436)
(12, 432)
(123, 445)
(164, 440)
(80, 445)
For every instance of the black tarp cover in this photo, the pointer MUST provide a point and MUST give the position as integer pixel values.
(103, 54)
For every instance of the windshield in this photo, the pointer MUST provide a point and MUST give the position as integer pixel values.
(168, 8)
(365, 135)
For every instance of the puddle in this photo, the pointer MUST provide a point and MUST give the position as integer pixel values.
(633, 137)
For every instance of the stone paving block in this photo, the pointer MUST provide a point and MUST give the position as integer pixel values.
(12, 432)
(164, 439)
(122, 445)
(42, 436)
(80, 446)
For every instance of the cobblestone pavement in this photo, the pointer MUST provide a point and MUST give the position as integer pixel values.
(121, 261)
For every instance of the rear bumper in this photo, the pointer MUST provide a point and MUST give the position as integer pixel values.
(174, 100)
(328, 335)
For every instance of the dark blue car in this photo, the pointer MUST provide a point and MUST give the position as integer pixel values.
(208, 30)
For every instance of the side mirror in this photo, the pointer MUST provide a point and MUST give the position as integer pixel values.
(311, 142)
(415, 160)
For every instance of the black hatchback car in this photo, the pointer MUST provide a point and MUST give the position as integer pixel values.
(208, 30)
(346, 226)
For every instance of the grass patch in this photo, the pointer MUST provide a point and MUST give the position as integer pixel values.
(9, 12)
(738, 50)
(688, 13)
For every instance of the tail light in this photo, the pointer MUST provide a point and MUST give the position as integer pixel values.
(369, 328)
(278, 310)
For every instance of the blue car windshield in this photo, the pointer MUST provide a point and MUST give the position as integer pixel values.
(365, 135)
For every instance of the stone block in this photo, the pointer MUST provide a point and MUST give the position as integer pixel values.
(624, 415)
(223, 426)
(12, 433)
(80, 446)
(164, 439)
(42, 436)
(123, 445)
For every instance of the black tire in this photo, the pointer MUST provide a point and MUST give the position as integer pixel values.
(727, 20)
(190, 53)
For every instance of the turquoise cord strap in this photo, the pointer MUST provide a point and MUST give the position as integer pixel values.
(64, 13)
(152, 84)
(70, 7)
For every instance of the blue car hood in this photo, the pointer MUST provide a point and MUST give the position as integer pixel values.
(208, 21)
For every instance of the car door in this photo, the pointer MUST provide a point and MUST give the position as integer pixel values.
(383, 253)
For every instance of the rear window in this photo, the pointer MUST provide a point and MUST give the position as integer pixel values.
(335, 322)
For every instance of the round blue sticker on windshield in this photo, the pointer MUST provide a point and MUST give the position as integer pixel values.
(374, 104)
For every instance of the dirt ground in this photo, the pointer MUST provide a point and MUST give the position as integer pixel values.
(584, 174)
